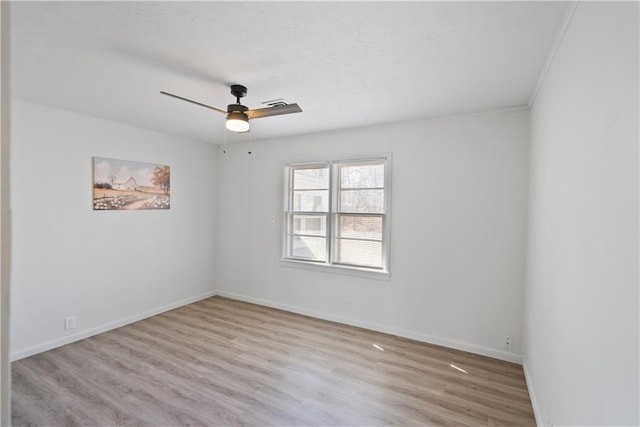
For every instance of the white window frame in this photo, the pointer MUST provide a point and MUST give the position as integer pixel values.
(330, 265)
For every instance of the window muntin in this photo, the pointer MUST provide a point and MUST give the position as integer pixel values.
(337, 214)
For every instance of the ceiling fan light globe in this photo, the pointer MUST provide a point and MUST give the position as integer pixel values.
(237, 122)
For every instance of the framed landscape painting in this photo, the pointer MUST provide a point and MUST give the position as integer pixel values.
(128, 185)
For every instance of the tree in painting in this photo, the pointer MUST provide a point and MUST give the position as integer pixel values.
(161, 178)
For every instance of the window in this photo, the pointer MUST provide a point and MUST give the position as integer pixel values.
(337, 214)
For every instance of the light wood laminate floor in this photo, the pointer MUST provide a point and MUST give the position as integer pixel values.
(226, 362)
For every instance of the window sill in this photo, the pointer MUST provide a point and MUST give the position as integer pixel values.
(337, 269)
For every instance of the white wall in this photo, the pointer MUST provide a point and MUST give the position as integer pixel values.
(5, 372)
(459, 190)
(105, 267)
(581, 348)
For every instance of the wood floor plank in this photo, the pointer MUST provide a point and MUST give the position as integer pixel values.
(227, 362)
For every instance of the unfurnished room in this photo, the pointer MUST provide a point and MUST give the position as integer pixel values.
(320, 213)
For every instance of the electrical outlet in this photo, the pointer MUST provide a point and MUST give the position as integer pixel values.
(507, 343)
(69, 322)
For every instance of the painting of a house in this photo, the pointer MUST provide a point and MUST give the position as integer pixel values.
(130, 185)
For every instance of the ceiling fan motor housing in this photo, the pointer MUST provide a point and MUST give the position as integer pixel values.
(236, 108)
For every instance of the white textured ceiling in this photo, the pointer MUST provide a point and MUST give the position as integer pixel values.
(346, 63)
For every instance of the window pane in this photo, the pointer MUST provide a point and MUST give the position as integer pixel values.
(315, 225)
(314, 179)
(311, 201)
(362, 176)
(359, 252)
(313, 248)
(360, 227)
(362, 201)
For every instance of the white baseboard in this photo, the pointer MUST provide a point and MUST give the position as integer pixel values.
(532, 394)
(30, 351)
(458, 345)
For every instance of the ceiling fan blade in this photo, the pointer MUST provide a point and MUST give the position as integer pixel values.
(273, 111)
(194, 102)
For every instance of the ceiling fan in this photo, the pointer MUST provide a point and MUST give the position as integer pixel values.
(238, 115)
